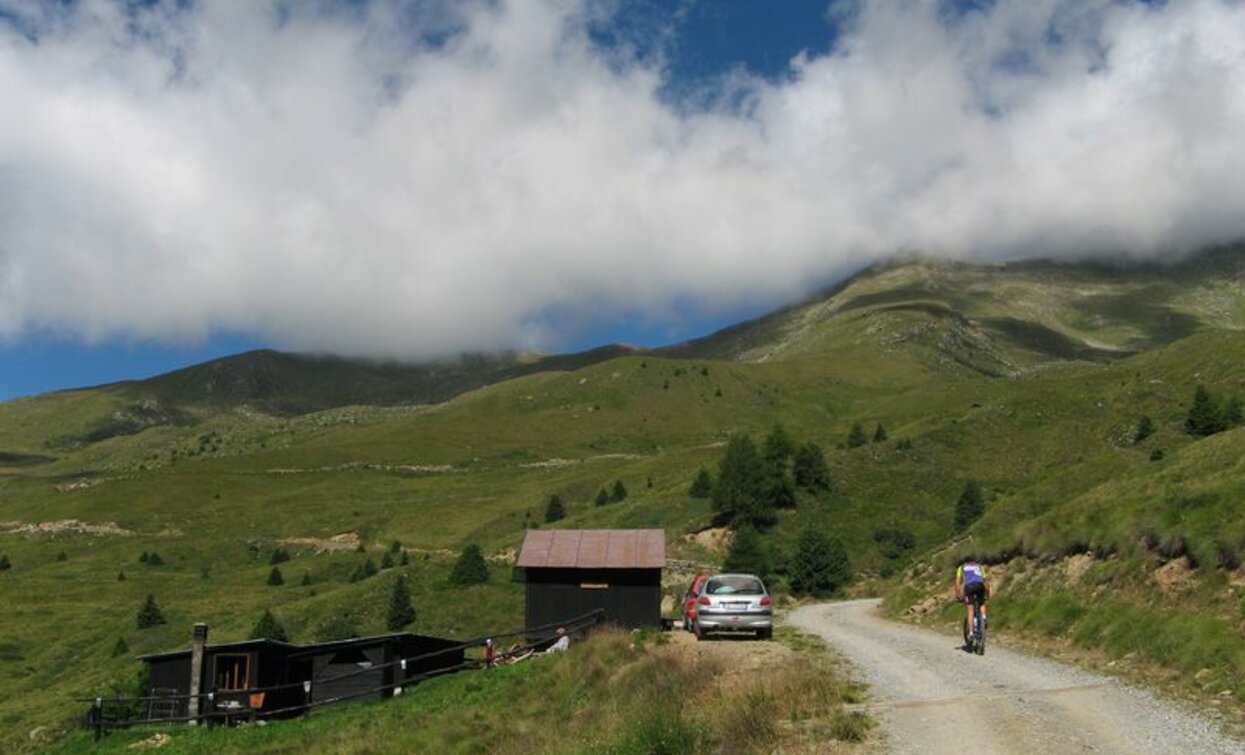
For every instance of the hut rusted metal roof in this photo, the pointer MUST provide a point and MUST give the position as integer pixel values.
(594, 549)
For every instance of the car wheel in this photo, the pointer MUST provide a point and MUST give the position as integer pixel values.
(765, 634)
(700, 633)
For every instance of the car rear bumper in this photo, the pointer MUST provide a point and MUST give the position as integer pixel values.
(734, 622)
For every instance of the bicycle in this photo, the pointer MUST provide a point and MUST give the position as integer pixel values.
(976, 641)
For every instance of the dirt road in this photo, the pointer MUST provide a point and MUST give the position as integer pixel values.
(931, 697)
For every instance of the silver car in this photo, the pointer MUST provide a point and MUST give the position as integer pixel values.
(734, 603)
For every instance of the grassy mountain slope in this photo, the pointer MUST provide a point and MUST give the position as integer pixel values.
(1028, 378)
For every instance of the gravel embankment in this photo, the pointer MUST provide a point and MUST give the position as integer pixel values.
(931, 697)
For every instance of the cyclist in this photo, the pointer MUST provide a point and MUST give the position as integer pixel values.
(971, 587)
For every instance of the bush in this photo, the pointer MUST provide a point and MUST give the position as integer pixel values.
(1145, 428)
(339, 626)
(275, 578)
(856, 437)
(279, 556)
(470, 569)
(386, 560)
(149, 615)
(153, 559)
(306, 580)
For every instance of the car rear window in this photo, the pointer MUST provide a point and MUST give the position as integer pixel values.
(735, 586)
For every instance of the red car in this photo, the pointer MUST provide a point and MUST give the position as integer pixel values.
(689, 601)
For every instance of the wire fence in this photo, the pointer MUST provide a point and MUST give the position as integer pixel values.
(121, 712)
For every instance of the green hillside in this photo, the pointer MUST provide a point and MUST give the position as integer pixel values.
(1028, 378)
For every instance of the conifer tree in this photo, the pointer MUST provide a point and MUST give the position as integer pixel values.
(121, 576)
(702, 486)
(970, 506)
(401, 612)
(142, 559)
(602, 497)
(778, 444)
(748, 554)
(275, 578)
(395, 547)
(879, 435)
(279, 556)
(5, 564)
(1232, 412)
(153, 559)
(856, 438)
(405, 560)
(306, 580)
(470, 569)
(738, 493)
(386, 560)
(811, 472)
(619, 492)
(555, 510)
(120, 648)
(819, 565)
(269, 628)
(149, 615)
(1145, 428)
(1205, 417)
(369, 568)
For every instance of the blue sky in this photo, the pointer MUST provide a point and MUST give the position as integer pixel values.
(409, 179)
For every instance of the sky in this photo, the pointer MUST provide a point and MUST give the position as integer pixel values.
(407, 180)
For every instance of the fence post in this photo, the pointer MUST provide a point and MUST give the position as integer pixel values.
(307, 696)
(196, 671)
(97, 718)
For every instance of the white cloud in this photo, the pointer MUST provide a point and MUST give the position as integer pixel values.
(417, 180)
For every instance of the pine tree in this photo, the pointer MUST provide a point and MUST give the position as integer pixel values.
(819, 565)
(275, 579)
(702, 486)
(406, 559)
(778, 445)
(386, 560)
(555, 510)
(149, 615)
(470, 569)
(395, 547)
(879, 435)
(121, 576)
(970, 507)
(811, 472)
(738, 494)
(306, 581)
(5, 564)
(143, 558)
(153, 559)
(338, 626)
(279, 556)
(1145, 428)
(120, 648)
(856, 438)
(602, 497)
(369, 568)
(1204, 418)
(748, 554)
(269, 628)
(1232, 412)
(401, 612)
(619, 492)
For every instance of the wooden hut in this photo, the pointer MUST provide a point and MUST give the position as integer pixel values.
(361, 668)
(571, 572)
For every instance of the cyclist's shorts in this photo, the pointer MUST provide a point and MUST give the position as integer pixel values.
(975, 593)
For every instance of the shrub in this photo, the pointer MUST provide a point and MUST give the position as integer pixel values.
(395, 547)
(856, 437)
(306, 580)
(903, 444)
(121, 576)
(279, 556)
(850, 726)
(275, 579)
(149, 615)
(470, 569)
(369, 568)
(338, 626)
(142, 559)
(153, 559)
(401, 612)
(62, 556)
(269, 628)
(1145, 428)
(1156, 455)
(386, 560)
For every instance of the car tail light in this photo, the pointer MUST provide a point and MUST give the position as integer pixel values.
(765, 601)
(704, 600)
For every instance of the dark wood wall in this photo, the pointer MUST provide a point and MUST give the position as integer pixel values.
(630, 597)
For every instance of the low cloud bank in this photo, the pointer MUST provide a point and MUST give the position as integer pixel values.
(400, 180)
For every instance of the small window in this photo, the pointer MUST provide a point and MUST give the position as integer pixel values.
(233, 672)
(741, 585)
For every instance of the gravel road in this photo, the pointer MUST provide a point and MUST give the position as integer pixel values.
(932, 697)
